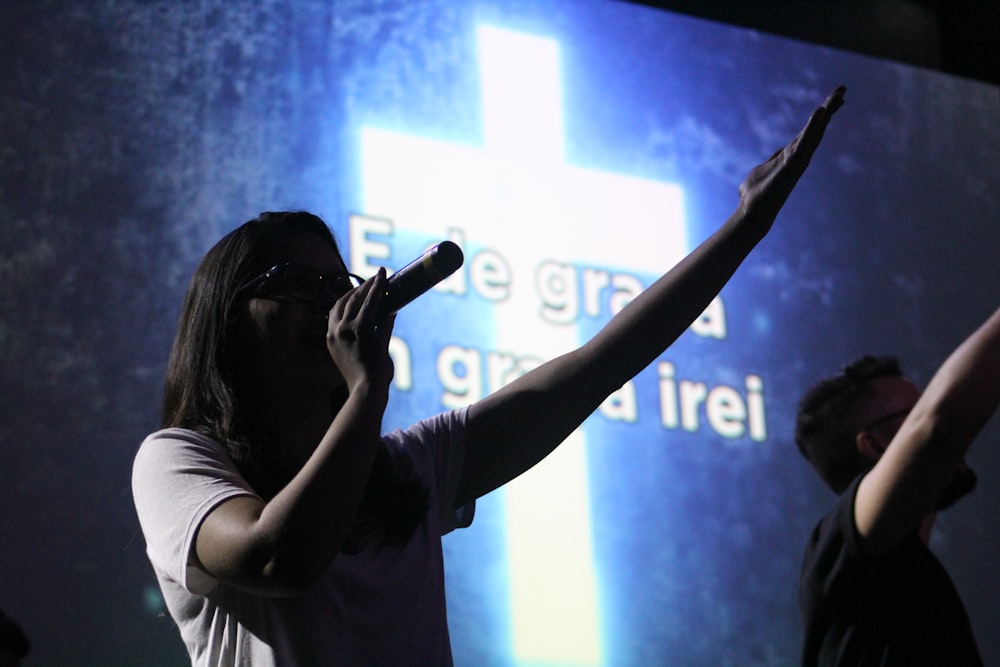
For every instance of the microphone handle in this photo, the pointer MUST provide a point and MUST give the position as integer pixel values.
(420, 275)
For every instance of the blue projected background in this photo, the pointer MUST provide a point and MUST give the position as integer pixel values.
(575, 151)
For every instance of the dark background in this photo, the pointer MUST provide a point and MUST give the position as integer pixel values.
(953, 36)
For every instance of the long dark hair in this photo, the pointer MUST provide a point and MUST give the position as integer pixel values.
(200, 389)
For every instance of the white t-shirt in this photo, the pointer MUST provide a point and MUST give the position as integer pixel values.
(380, 607)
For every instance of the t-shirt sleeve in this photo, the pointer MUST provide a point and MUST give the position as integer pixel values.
(847, 526)
(178, 477)
(437, 447)
(835, 545)
(836, 542)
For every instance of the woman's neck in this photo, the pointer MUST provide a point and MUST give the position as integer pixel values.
(293, 421)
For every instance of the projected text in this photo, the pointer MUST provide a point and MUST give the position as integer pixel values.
(565, 293)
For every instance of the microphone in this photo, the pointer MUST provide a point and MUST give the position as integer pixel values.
(423, 273)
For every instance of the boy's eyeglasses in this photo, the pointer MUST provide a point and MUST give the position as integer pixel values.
(299, 283)
(885, 419)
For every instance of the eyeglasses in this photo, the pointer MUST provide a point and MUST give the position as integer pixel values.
(299, 283)
(885, 419)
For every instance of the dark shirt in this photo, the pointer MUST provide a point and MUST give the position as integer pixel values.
(899, 609)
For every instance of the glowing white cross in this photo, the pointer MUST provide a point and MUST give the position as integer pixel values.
(517, 195)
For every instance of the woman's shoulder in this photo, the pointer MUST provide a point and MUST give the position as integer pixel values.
(180, 445)
(448, 424)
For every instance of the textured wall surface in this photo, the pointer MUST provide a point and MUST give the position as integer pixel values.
(134, 134)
